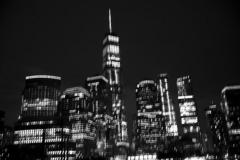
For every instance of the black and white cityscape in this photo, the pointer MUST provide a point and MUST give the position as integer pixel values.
(93, 120)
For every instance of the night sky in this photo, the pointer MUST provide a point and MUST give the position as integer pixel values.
(64, 38)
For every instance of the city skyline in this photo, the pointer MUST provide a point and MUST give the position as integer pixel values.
(149, 57)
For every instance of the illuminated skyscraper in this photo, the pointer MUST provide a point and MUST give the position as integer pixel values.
(163, 97)
(231, 106)
(188, 115)
(111, 70)
(37, 125)
(100, 101)
(150, 121)
(217, 123)
(80, 119)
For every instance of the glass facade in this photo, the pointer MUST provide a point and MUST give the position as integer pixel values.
(78, 115)
(231, 106)
(100, 100)
(188, 116)
(150, 132)
(37, 123)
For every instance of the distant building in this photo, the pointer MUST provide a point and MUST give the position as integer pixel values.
(189, 117)
(133, 141)
(217, 123)
(163, 97)
(150, 121)
(6, 137)
(112, 71)
(79, 116)
(101, 104)
(231, 107)
(37, 123)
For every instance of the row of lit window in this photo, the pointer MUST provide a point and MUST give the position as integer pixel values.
(191, 129)
(111, 49)
(41, 103)
(37, 123)
(59, 152)
(113, 64)
(189, 120)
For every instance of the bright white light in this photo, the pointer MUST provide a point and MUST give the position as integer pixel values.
(189, 120)
(97, 78)
(43, 76)
(113, 38)
(234, 131)
(185, 97)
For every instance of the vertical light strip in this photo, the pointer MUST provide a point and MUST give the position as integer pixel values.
(110, 20)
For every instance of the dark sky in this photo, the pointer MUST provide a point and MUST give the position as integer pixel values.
(64, 38)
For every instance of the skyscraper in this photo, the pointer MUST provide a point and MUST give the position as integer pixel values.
(100, 102)
(112, 71)
(231, 107)
(189, 116)
(217, 123)
(150, 121)
(75, 102)
(37, 123)
(163, 97)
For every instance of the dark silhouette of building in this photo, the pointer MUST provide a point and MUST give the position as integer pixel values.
(231, 107)
(101, 104)
(78, 117)
(217, 124)
(150, 121)
(189, 117)
(6, 138)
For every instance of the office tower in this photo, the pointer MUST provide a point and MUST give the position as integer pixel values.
(36, 126)
(189, 116)
(101, 104)
(217, 123)
(112, 71)
(163, 97)
(231, 107)
(79, 116)
(150, 121)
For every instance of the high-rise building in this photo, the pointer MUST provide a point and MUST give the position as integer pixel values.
(231, 107)
(217, 124)
(79, 116)
(101, 104)
(150, 121)
(163, 97)
(112, 71)
(189, 116)
(37, 123)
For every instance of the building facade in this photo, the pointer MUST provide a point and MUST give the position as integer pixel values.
(37, 123)
(100, 101)
(150, 132)
(189, 116)
(217, 124)
(163, 97)
(112, 71)
(231, 107)
(78, 117)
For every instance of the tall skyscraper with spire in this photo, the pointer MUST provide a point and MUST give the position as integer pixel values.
(112, 71)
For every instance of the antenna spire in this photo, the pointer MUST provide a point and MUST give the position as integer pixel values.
(110, 20)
